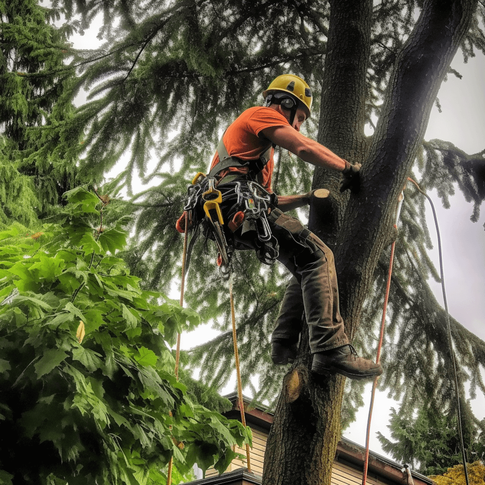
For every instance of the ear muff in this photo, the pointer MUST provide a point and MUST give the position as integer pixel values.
(288, 103)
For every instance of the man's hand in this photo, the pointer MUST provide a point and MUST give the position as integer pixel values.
(351, 178)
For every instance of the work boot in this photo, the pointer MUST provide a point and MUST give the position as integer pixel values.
(283, 352)
(344, 360)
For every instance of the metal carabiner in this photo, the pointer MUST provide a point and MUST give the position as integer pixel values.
(193, 193)
(257, 189)
(239, 193)
(264, 230)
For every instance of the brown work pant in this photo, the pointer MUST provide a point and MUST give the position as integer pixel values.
(312, 293)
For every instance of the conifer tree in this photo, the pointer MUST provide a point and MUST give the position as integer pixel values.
(37, 164)
(429, 442)
(172, 74)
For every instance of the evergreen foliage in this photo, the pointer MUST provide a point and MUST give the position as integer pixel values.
(37, 158)
(429, 441)
(88, 393)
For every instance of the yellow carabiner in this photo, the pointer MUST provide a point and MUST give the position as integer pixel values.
(213, 198)
(196, 178)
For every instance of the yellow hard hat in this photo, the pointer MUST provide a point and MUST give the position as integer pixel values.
(294, 85)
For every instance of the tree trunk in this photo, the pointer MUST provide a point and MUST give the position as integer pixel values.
(419, 70)
(306, 429)
(342, 113)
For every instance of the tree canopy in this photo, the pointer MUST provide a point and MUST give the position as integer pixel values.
(429, 441)
(167, 79)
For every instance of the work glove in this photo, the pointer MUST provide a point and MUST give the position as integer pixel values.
(351, 178)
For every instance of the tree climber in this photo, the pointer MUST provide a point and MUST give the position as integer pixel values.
(244, 164)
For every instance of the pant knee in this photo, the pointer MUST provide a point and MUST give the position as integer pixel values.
(311, 255)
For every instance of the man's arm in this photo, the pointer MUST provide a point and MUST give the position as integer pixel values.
(307, 149)
(289, 202)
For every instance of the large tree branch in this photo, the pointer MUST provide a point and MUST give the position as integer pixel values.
(468, 171)
(413, 87)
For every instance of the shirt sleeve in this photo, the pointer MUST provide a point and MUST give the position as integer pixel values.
(265, 118)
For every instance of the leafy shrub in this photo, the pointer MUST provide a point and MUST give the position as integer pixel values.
(87, 388)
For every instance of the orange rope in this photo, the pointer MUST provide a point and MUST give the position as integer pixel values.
(374, 384)
(379, 347)
(236, 353)
(169, 473)
(459, 418)
(177, 352)
(238, 372)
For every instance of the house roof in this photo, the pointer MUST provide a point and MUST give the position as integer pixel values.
(259, 417)
(241, 476)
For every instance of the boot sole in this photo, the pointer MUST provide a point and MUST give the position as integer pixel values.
(350, 375)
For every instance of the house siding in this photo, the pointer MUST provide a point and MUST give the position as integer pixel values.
(256, 456)
(343, 474)
(347, 468)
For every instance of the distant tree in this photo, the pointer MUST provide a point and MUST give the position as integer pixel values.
(87, 390)
(456, 475)
(172, 74)
(429, 440)
(37, 164)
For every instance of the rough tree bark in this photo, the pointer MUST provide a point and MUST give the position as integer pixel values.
(303, 440)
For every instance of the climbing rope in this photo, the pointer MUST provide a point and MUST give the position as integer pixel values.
(448, 327)
(238, 369)
(379, 347)
(177, 351)
(234, 337)
(448, 324)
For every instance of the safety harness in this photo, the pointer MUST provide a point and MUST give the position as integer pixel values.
(226, 161)
(244, 202)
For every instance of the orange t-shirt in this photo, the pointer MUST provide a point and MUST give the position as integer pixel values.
(242, 140)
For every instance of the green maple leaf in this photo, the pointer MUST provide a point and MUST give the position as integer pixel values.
(50, 360)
